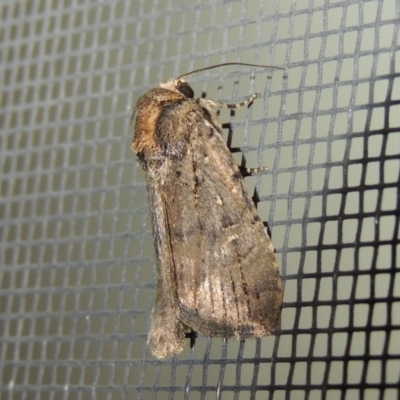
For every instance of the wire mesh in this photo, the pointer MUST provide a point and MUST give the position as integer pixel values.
(77, 257)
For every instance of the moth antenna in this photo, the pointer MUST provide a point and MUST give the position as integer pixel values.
(228, 63)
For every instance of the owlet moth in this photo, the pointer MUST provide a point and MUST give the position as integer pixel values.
(216, 268)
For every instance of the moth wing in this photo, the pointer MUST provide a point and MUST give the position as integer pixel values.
(217, 267)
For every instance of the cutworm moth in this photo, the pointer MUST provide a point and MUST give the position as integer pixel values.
(216, 268)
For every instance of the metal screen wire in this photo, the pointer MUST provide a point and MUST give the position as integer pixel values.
(77, 256)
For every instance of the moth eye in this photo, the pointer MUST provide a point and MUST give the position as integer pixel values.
(185, 89)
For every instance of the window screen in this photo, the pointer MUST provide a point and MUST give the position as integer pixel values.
(77, 265)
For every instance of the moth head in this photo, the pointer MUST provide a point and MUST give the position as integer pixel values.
(179, 86)
(184, 88)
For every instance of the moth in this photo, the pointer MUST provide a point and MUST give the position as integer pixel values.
(216, 268)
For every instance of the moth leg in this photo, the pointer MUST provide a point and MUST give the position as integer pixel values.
(216, 105)
(244, 103)
(192, 335)
(251, 171)
(213, 107)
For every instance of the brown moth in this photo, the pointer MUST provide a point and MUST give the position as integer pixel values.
(216, 267)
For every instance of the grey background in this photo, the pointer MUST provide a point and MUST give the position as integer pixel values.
(76, 252)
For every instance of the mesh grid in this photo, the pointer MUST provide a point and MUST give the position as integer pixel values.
(76, 253)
